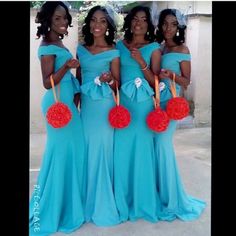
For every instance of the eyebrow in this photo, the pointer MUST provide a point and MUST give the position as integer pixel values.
(103, 17)
(175, 21)
(140, 17)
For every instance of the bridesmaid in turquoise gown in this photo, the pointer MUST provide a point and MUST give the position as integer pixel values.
(57, 200)
(99, 62)
(135, 186)
(175, 59)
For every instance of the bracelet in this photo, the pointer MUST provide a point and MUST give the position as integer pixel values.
(111, 82)
(145, 67)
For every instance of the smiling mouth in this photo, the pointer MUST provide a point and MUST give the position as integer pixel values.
(63, 28)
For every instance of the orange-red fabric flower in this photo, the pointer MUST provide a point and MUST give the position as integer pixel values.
(158, 120)
(58, 115)
(119, 117)
(177, 108)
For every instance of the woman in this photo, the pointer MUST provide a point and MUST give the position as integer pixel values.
(98, 74)
(175, 60)
(135, 190)
(56, 203)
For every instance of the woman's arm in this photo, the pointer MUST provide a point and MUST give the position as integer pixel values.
(47, 68)
(155, 65)
(184, 79)
(185, 67)
(156, 62)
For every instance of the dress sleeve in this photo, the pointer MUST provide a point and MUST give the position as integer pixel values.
(45, 50)
(155, 46)
(115, 54)
(184, 57)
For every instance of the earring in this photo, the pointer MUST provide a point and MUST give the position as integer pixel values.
(49, 28)
(131, 31)
(107, 32)
(177, 33)
(147, 33)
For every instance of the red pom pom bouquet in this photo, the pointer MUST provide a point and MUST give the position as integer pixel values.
(177, 107)
(158, 119)
(58, 115)
(119, 117)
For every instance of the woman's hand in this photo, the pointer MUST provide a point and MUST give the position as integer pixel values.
(72, 63)
(136, 55)
(166, 74)
(106, 77)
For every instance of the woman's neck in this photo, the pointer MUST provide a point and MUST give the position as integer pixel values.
(170, 43)
(100, 42)
(52, 37)
(138, 39)
(136, 42)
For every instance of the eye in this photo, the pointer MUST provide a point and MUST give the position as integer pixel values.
(104, 21)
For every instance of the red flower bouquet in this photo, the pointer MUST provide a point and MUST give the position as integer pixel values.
(58, 115)
(119, 117)
(158, 119)
(177, 107)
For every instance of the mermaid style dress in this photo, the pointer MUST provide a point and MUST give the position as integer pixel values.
(57, 201)
(96, 102)
(176, 203)
(135, 186)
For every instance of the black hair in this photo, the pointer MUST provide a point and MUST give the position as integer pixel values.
(44, 17)
(159, 34)
(88, 36)
(127, 24)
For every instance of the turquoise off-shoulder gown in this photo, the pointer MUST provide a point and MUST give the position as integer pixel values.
(175, 201)
(96, 102)
(57, 200)
(135, 186)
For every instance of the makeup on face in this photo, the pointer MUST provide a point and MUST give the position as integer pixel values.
(170, 26)
(98, 23)
(59, 21)
(139, 22)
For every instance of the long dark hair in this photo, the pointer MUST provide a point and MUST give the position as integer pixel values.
(181, 28)
(88, 37)
(127, 24)
(44, 17)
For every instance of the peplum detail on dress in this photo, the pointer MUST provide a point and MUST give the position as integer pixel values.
(96, 91)
(137, 90)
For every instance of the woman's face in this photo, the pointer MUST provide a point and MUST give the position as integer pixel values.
(59, 20)
(98, 24)
(139, 23)
(169, 26)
